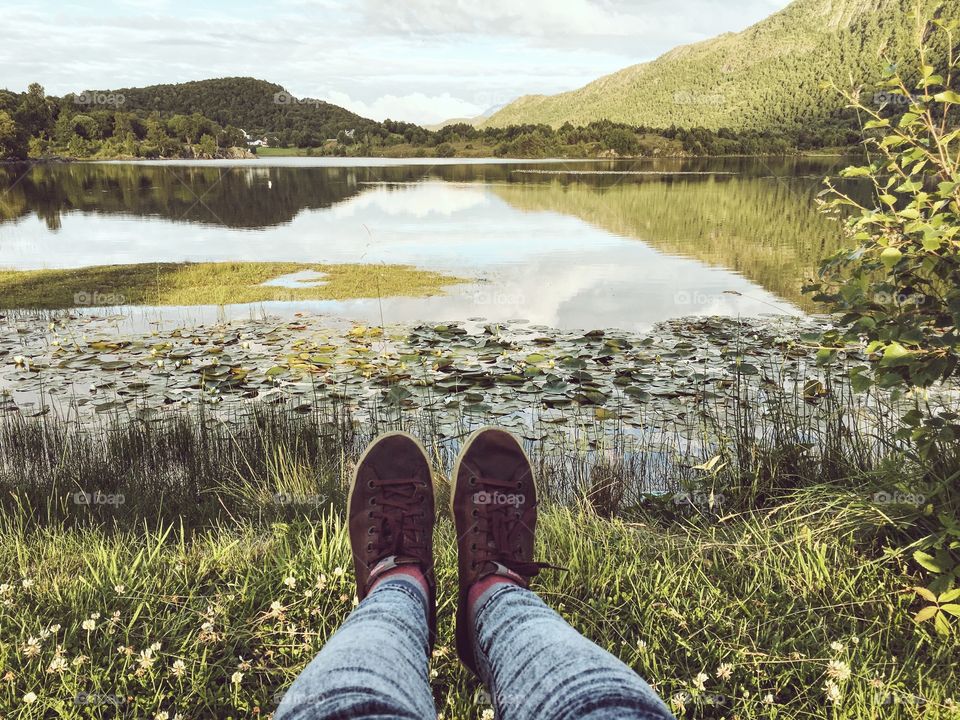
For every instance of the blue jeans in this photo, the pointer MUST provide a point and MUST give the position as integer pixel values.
(534, 664)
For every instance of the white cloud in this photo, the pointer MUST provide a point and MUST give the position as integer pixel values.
(414, 107)
(499, 17)
(416, 60)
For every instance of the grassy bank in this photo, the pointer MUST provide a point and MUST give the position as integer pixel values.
(210, 284)
(751, 617)
(145, 564)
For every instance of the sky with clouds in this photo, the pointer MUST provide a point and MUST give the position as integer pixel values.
(418, 60)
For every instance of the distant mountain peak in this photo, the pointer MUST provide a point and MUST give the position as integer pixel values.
(767, 75)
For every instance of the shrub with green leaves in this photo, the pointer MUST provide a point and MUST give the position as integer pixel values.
(898, 288)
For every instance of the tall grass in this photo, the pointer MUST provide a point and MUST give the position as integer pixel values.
(273, 463)
(741, 563)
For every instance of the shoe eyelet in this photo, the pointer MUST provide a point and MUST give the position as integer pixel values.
(519, 485)
(369, 546)
(473, 547)
(370, 484)
(475, 513)
(371, 530)
(373, 501)
(472, 480)
(370, 514)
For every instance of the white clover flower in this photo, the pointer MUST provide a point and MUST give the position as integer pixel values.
(831, 691)
(30, 698)
(837, 646)
(120, 589)
(290, 581)
(768, 699)
(32, 647)
(236, 678)
(57, 665)
(27, 583)
(487, 714)
(838, 670)
(724, 671)
(338, 571)
(178, 668)
(146, 658)
(678, 703)
(276, 609)
(699, 682)
(89, 624)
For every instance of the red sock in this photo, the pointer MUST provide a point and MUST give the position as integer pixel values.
(481, 586)
(411, 571)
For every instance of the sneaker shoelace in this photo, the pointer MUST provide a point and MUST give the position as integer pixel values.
(398, 518)
(503, 524)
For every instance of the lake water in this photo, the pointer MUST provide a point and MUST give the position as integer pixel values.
(567, 244)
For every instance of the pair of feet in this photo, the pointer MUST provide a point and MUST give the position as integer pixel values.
(493, 502)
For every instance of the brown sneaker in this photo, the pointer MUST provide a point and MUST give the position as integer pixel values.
(392, 513)
(494, 508)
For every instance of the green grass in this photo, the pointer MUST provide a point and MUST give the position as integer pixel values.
(799, 570)
(766, 593)
(209, 284)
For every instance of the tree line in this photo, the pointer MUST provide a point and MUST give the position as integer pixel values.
(207, 119)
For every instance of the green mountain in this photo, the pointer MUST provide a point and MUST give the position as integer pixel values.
(767, 76)
(255, 105)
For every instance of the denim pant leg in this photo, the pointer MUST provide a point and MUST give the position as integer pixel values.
(374, 666)
(537, 667)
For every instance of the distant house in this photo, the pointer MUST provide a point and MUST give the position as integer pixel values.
(261, 142)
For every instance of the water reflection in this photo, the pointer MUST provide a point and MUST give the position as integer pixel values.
(556, 243)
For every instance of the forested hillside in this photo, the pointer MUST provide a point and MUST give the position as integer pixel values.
(257, 106)
(770, 75)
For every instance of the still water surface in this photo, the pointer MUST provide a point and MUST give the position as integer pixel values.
(567, 244)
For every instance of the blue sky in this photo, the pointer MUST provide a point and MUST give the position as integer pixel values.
(417, 60)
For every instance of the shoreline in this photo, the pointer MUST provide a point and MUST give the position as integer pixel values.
(484, 159)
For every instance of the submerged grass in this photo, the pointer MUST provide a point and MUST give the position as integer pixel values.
(214, 283)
